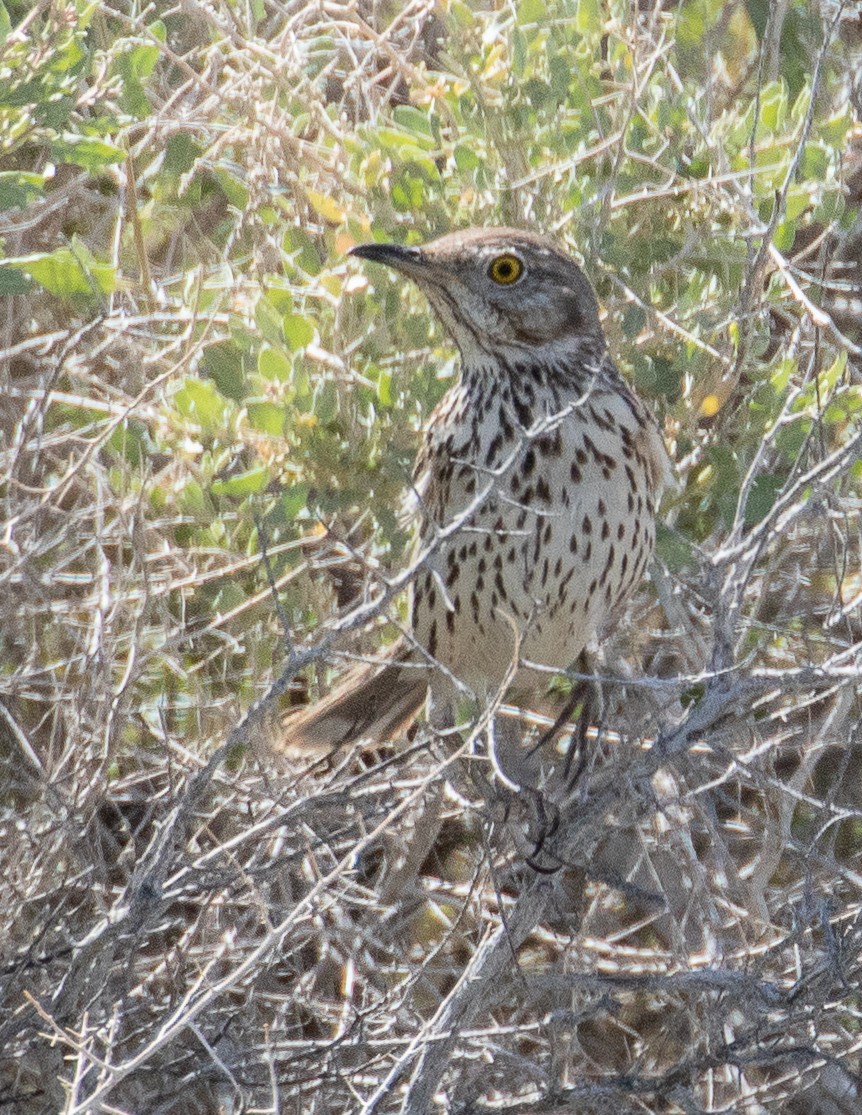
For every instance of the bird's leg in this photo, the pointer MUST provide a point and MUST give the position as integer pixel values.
(587, 698)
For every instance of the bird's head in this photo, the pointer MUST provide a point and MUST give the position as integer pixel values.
(499, 291)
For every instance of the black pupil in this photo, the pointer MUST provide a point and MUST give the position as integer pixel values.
(505, 269)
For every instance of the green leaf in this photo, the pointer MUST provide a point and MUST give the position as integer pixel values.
(673, 548)
(19, 188)
(405, 143)
(384, 388)
(414, 121)
(13, 281)
(89, 152)
(531, 11)
(465, 157)
(26, 93)
(131, 440)
(294, 500)
(773, 106)
(267, 417)
(181, 152)
(232, 187)
(66, 272)
(298, 331)
(269, 322)
(243, 483)
(762, 496)
(589, 17)
(272, 364)
(326, 403)
(224, 364)
(326, 207)
(199, 401)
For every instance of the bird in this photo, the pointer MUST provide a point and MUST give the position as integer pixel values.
(534, 492)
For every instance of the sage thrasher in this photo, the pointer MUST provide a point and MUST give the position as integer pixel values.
(535, 490)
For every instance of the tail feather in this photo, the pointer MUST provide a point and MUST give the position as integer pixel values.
(372, 702)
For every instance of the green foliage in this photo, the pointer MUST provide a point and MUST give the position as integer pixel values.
(262, 392)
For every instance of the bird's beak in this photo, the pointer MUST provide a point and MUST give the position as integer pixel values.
(407, 260)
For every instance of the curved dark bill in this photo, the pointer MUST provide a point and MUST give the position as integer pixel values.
(395, 255)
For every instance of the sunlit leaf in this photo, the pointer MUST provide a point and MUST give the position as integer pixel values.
(242, 484)
(267, 417)
(326, 207)
(273, 364)
(298, 330)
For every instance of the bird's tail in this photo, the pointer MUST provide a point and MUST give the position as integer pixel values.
(373, 702)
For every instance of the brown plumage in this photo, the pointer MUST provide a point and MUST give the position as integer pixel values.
(548, 463)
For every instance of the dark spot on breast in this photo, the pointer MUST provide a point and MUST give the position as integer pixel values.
(493, 449)
(523, 412)
(542, 490)
(550, 445)
(586, 525)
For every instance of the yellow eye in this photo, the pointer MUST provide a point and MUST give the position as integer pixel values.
(506, 270)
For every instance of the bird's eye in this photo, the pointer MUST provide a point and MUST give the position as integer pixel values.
(506, 270)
